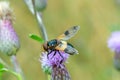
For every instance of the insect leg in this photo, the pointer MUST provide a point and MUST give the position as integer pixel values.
(61, 56)
(53, 54)
(49, 53)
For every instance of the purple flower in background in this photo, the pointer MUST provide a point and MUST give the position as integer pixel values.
(54, 65)
(9, 42)
(114, 41)
(114, 45)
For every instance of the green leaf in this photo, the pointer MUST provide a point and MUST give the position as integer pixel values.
(4, 70)
(37, 38)
(1, 66)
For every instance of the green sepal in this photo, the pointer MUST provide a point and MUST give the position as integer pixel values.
(36, 37)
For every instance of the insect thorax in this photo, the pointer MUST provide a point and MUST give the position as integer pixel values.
(52, 43)
(61, 46)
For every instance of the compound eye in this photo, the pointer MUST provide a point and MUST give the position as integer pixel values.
(50, 44)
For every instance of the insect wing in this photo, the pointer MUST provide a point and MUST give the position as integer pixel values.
(69, 33)
(70, 49)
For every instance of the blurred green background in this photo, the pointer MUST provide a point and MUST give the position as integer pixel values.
(96, 17)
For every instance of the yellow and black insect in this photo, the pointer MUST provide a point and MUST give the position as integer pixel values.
(60, 44)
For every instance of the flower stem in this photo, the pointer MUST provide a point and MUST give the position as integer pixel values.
(31, 6)
(17, 68)
(41, 26)
(39, 20)
(42, 29)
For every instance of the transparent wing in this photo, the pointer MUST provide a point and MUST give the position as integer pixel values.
(70, 49)
(69, 33)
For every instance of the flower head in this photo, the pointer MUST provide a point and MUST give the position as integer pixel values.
(6, 13)
(9, 42)
(114, 45)
(114, 41)
(53, 64)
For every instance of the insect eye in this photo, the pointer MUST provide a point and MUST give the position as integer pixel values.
(49, 44)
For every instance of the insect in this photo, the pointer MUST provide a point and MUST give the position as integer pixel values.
(60, 44)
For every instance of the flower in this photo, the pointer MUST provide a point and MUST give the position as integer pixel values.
(53, 64)
(114, 41)
(9, 42)
(114, 45)
(6, 13)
